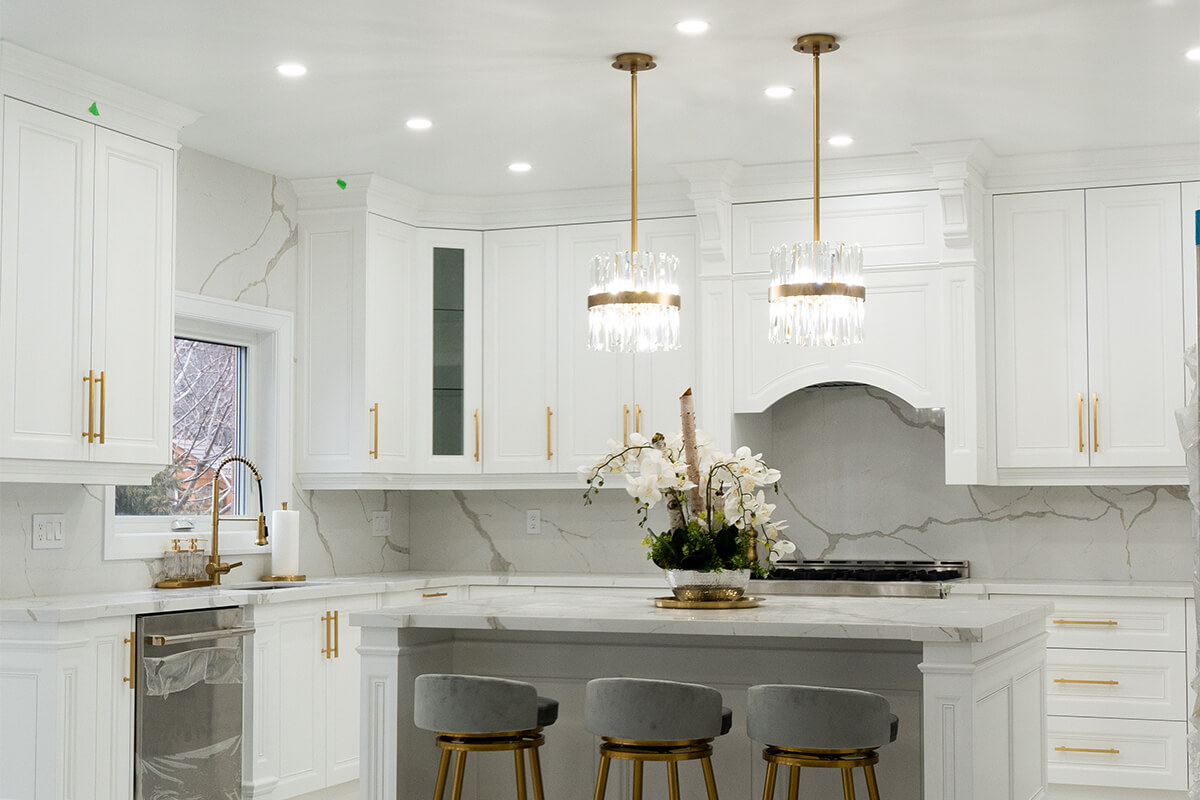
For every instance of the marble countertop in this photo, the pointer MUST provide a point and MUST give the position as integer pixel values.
(598, 611)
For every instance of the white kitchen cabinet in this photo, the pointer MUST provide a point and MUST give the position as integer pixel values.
(520, 350)
(67, 710)
(607, 396)
(86, 287)
(1089, 335)
(355, 399)
(305, 705)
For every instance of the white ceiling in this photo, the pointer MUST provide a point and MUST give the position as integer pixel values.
(508, 80)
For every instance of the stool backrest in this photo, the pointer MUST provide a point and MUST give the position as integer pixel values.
(473, 704)
(817, 717)
(641, 709)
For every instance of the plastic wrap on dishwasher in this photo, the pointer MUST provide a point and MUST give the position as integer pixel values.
(175, 673)
(210, 773)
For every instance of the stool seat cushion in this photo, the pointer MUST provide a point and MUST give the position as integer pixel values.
(726, 720)
(818, 718)
(477, 704)
(646, 710)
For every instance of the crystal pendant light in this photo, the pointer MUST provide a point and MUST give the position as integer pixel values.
(817, 293)
(633, 303)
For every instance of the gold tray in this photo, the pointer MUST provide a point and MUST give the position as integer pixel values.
(741, 602)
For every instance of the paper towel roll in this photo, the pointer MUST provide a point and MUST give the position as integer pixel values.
(285, 542)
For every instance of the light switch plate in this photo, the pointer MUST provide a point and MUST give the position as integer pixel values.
(381, 523)
(49, 532)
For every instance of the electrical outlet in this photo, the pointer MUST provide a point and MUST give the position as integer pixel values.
(381, 523)
(49, 532)
(533, 522)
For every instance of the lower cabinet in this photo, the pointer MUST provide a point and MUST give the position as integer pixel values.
(66, 710)
(304, 703)
(1117, 692)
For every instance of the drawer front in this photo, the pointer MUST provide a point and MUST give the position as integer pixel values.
(428, 594)
(1116, 683)
(1137, 754)
(1126, 623)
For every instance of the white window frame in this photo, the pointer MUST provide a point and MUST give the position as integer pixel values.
(267, 335)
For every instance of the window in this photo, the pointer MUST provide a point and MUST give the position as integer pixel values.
(232, 395)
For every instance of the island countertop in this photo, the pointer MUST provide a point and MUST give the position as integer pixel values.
(607, 611)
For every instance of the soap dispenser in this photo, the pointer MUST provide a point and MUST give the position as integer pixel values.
(175, 561)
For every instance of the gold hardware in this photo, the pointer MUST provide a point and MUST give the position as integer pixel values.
(1095, 423)
(625, 425)
(374, 412)
(637, 418)
(632, 63)
(90, 380)
(1090, 683)
(327, 650)
(102, 407)
(1085, 622)
(815, 44)
(1081, 422)
(1111, 751)
(549, 452)
(625, 298)
(815, 289)
(335, 634)
(132, 679)
(433, 594)
(477, 434)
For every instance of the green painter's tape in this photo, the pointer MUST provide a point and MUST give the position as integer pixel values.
(341, 183)
(95, 112)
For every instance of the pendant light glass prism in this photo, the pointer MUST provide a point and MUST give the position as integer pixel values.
(633, 302)
(816, 295)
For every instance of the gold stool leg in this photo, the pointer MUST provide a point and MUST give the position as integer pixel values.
(535, 767)
(443, 768)
(848, 783)
(460, 768)
(872, 786)
(768, 782)
(709, 779)
(794, 783)
(673, 780)
(519, 763)
(602, 777)
(638, 767)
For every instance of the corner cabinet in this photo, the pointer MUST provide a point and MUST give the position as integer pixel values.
(86, 288)
(1089, 336)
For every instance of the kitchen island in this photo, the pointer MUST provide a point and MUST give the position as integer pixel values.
(965, 678)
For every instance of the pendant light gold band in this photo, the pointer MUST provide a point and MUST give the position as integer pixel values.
(649, 298)
(817, 290)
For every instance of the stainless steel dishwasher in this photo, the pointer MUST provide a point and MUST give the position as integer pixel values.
(188, 714)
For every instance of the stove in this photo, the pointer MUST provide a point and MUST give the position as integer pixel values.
(864, 578)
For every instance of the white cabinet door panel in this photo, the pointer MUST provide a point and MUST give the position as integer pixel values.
(388, 343)
(1130, 684)
(1139, 754)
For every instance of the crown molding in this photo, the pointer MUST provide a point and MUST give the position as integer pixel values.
(1087, 168)
(70, 90)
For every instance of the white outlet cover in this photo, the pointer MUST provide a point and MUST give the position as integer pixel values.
(533, 522)
(49, 532)
(381, 523)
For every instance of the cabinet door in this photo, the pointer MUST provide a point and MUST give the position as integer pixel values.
(594, 388)
(132, 298)
(1191, 260)
(520, 348)
(1135, 325)
(342, 683)
(387, 347)
(1041, 330)
(112, 747)
(300, 721)
(45, 283)
(449, 360)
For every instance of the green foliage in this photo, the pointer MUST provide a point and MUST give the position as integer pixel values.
(696, 549)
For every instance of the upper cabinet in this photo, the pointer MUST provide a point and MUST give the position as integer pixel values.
(86, 288)
(1089, 336)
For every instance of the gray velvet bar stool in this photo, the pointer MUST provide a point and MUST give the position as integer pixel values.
(814, 726)
(644, 720)
(471, 713)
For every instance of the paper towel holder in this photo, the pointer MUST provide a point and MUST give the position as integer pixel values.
(282, 577)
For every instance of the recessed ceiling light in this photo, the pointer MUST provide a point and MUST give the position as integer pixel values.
(291, 70)
(419, 124)
(841, 140)
(779, 91)
(1193, 54)
(692, 26)
(519, 166)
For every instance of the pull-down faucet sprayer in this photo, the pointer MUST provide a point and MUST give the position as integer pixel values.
(215, 568)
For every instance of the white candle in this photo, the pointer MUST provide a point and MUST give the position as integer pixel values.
(285, 542)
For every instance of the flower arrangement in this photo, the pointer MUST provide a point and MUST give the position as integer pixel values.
(716, 508)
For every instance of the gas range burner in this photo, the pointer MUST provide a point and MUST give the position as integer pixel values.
(869, 570)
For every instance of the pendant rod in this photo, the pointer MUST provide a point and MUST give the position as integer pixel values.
(633, 159)
(817, 145)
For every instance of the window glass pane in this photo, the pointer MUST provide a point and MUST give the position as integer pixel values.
(208, 426)
(448, 352)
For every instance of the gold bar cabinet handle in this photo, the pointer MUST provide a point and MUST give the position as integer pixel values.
(1081, 422)
(637, 418)
(374, 412)
(549, 452)
(1090, 683)
(90, 380)
(625, 425)
(1111, 751)
(477, 434)
(1084, 622)
(433, 594)
(335, 634)
(1095, 423)
(101, 406)
(327, 650)
(132, 679)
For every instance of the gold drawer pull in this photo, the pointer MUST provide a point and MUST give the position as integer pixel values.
(1081, 422)
(1095, 423)
(132, 679)
(1085, 622)
(374, 412)
(549, 452)
(1090, 683)
(433, 594)
(1111, 751)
